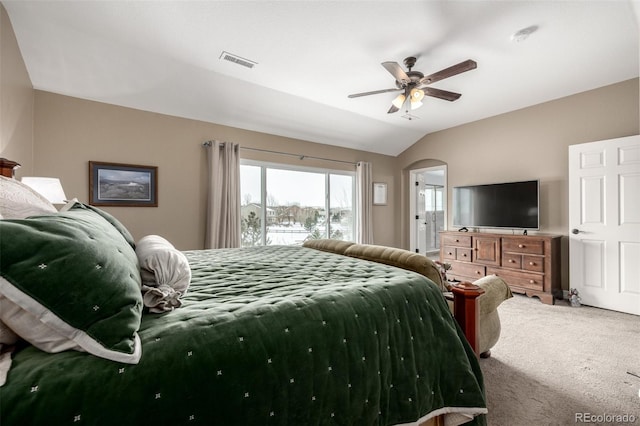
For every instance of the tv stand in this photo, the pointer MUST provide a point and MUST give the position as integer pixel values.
(530, 264)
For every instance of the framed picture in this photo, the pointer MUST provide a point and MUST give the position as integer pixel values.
(379, 194)
(128, 185)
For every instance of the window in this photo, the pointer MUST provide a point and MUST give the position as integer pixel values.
(288, 205)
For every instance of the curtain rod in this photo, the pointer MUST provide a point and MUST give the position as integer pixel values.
(300, 156)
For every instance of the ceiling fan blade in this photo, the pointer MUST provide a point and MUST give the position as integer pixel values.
(393, 109)
(442, 94)
(375, 92)
(397, 72)
(449, 72)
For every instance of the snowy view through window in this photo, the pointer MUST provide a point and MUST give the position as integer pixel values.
(296, 205)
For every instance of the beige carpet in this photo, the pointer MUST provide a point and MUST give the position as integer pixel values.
(554, 362)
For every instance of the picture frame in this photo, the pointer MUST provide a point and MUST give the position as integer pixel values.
(124, 185)
(379, 194)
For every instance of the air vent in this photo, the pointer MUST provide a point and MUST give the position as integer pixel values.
(410, 116)
(237, 59)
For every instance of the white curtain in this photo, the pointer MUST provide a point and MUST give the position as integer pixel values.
(223, 195)
(364, 192)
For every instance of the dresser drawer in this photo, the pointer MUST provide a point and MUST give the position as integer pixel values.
(467, 270)
(448, 253)
(463, 254)
(456, 240)
(533, 263)
(519, 279)
(512, 260)
(522, 245)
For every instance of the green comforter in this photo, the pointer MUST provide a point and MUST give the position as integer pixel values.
(275, 335)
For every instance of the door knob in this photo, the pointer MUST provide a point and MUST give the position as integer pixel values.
(575, 231)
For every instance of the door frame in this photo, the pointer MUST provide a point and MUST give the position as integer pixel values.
(412, 201)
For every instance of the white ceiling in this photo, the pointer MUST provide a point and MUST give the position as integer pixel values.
(164, 56)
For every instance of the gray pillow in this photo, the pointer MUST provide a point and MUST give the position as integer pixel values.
(18, 201)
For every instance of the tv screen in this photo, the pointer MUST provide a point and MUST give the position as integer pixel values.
(502, 205)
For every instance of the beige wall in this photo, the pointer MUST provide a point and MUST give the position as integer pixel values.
(16, 100)
(530, 143)
(69, 132)
(56, 135)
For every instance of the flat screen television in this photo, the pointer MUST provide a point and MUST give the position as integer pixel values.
(514, 205)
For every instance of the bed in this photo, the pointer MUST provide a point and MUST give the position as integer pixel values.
(284, 335)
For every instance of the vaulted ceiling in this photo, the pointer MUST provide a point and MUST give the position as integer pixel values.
(167, 57)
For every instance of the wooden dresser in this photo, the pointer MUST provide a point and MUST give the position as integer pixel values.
(530, 264)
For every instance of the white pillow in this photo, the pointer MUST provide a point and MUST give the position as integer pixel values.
(18, 201)
(8, 338)
(21, 322)
(165, 273)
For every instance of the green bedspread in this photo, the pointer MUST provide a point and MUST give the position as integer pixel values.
(275, 335)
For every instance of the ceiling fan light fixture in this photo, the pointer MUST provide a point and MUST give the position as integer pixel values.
(398, 101)
(416, 98)
(416, 95)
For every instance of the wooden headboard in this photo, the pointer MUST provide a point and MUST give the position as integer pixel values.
(8, 167)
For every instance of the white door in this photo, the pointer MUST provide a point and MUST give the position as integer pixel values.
(604, 223)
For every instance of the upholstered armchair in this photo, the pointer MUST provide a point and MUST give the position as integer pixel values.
(496, 291)
(495, 288)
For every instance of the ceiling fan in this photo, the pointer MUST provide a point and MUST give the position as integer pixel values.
(413, 84)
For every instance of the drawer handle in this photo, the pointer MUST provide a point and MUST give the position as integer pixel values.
(457, 240)
(478, 272)
(532, 281)
(464, 255)
(512, 261)
(449, 253)
(532, 263)
(521, 245)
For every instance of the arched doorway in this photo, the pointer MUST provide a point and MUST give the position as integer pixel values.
(427, 208)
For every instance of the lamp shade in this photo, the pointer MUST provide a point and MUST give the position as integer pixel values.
(417, 94)
(415, 104)
(398, 101)
(49, 188)
(416, 97)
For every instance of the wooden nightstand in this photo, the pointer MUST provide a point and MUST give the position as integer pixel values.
(8, 167)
